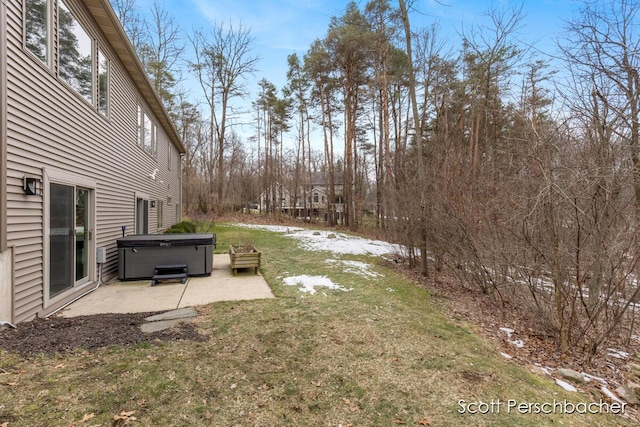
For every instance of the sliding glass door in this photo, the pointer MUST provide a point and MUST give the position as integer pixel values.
(61, 238)
(82, 234)
(70, 237)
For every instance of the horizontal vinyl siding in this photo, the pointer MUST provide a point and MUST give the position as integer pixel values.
(24, 235)
(50, 127)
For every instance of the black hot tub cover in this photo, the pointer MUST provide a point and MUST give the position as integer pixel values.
(155, 240)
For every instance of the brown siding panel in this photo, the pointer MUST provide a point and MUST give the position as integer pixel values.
(49, 126)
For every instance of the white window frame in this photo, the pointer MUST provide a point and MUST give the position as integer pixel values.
(48, 60)
(144, 118)
(91, 96)
(104, 110)
(65, 178)
(52, 56)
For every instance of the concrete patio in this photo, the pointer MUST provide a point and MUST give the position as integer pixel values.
(140, 296)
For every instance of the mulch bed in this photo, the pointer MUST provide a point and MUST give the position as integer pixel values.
(68, 335)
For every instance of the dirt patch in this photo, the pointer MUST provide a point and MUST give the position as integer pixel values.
(67, 335)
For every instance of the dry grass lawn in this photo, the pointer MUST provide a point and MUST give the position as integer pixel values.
(381, 354)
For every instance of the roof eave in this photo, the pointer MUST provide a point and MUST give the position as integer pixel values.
(107, 20)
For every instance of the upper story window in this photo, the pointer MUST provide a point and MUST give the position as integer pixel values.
(103, 83)
(75, 53)
(79, 62)
(146, 132)
(37, 29)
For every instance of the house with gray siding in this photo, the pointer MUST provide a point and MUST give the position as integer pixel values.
(87, 152)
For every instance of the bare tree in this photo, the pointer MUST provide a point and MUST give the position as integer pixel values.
(603, 52)
(132, 22)
(189, 123)
(581, 219)
(162, 53)
(223, 61)
(490, 56)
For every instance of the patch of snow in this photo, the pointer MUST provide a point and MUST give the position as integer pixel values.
(517, 343)
(565, 385)
(612, 366)
(507, 331)
(356, 267)
(635, 337)
(317, 240)
(610, 394)
(538, 368)
(545, 284)
(391, 290)
(343, 244)
(618, 354)
(309, 284)
(274, 228)
(547, 370)
(506, 356)
(589, 377)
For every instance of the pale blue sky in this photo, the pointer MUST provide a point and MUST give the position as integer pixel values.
(282, 27)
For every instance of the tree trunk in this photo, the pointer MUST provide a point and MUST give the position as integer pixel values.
(418, 140)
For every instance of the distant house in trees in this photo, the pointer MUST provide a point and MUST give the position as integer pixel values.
(290, 200)
(277, 198)
(87, 152)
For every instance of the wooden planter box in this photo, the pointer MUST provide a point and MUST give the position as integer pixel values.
(246, 256)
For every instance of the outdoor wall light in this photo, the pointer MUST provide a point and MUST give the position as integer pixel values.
(32, 186)
(153, 203)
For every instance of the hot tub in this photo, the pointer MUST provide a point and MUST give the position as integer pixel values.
(140, 254)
